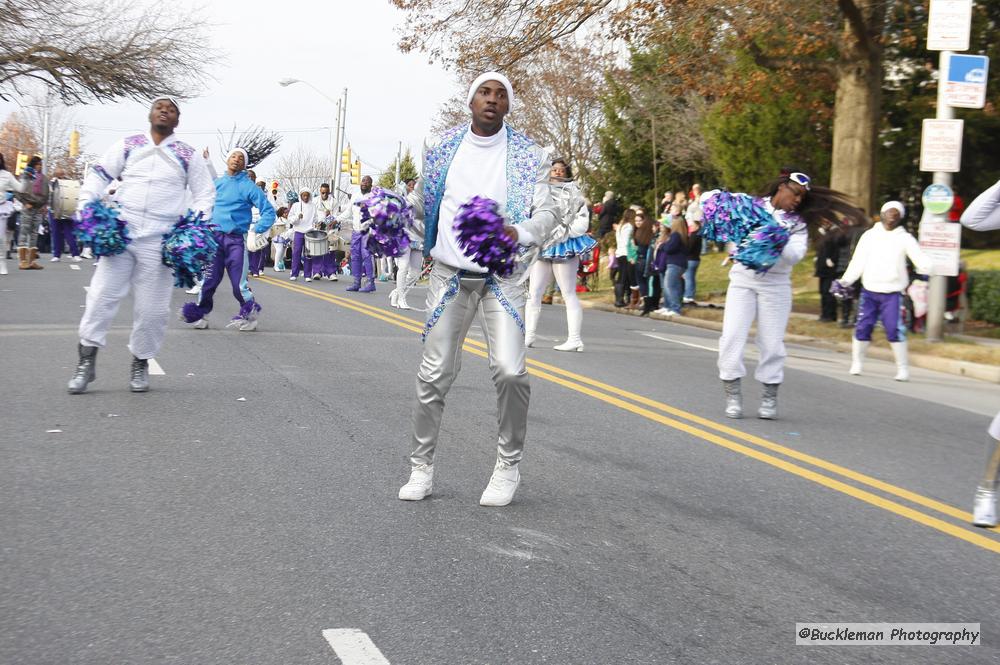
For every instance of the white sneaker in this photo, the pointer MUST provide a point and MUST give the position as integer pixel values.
(292, 278)
(200, 324)
(279, 269)
(419, 485)
(984, 512)
(332, 278)
(570, 345)
(688, 301)
(76, 259)
(54, 259)
(503, 484)
(194, 290)
(248, 325)
(308, 279)
(663, 311)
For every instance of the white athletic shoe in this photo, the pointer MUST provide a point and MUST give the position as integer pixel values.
(503, 484)
(984, 512)
(194, 289)
(76, 259)
(663, 311)
(292, 278)
(279, 270)
(200, 324)
(248, 325)
(419, 485)
(54, 259)
(308, 279)
(332, 278)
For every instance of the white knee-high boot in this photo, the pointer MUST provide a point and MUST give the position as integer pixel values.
(574, 321)
(902, 363)
(858, 350)
(531, 314)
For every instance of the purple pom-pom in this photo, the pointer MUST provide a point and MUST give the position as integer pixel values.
(189, 249)
(391, 215)
(100, 227)
(191, 312)
(841, 291)
(481, 235)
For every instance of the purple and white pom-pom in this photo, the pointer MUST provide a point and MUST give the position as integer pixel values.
(481, 235)
(99, 226)
(841, 291)
(189, 249)
(391, 215)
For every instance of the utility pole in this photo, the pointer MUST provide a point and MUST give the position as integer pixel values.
(399, 156)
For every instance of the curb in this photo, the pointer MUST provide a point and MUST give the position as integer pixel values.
(988, 373)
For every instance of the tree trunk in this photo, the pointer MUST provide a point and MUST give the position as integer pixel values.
(857, 109)
(855, 133)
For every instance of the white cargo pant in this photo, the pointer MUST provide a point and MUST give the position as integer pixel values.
(768, 298)
(139, 268)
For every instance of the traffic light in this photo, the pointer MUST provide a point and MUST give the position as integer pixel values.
(22, 163)
(356, 172)
(345, 160)
(274, 189)
(74, 143)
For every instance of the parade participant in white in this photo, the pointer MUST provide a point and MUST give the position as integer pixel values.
(561, 257)
(302, 217)
(794, 203)
(879, 261)
(411, 261)
(983, 214)
(491, 160)
(155, 170)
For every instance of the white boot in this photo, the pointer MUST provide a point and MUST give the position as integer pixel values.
(394, 298)
(3, 265)
(503, 483)
(858, 351)
(420, 484)
(902, 366)
(984, 510)
(574, 320)
(531, 314)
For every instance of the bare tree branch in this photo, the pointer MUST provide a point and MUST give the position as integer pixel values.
(100, 51)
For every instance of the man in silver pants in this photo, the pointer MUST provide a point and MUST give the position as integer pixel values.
(487, 159)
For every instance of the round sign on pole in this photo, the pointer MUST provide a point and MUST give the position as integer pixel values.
(937, 199)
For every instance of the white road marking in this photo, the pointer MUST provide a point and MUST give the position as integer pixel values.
(74, 267)
(713, 349)
(354, 647)
(155, 369)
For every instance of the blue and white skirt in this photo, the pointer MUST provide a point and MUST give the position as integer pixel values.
(574, 247)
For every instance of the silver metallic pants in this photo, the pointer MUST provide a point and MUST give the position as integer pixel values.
(992, 475)
(452, 301)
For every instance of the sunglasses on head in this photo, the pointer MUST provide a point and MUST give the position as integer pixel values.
(800, 179)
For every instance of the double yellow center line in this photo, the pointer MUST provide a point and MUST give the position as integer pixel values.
(727, 437)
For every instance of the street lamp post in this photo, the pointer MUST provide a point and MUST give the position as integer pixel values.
(338, 139)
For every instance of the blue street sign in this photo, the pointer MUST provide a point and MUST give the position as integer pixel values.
(968, 68)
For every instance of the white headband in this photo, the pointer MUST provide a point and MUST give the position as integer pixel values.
(491, 76)
(894, 205)
(166, 99)
(246, 157)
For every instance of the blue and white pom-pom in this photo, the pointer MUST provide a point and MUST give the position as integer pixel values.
(390, 215)
(189, 249)
(761, 248)
(730, 217)
(100, 228)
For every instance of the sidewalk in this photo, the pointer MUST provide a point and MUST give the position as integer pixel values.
(982, 372)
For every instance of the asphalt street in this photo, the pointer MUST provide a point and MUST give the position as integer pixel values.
(247, 503)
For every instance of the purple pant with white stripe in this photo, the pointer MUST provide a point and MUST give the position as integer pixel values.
(361, 259)
(232, 258)
(884, 307)
(299, 259)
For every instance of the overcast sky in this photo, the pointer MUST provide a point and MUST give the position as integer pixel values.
(332, 44)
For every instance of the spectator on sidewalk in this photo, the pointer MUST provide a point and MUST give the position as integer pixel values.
(672, 258)
(624, 248)
(694, 245)
(608, 215)
(831, 239)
